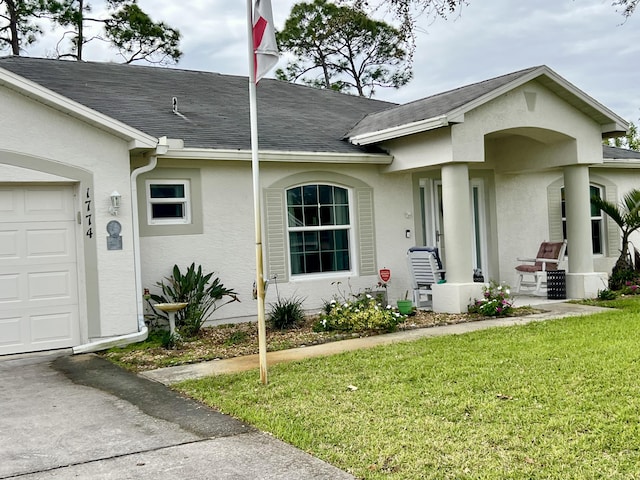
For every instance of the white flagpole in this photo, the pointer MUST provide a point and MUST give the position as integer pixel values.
(255, 169)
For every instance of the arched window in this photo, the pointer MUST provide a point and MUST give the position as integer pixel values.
(319, 228)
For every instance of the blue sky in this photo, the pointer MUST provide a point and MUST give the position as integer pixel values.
(585, 41)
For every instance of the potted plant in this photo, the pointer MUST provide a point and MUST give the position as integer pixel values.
(405, 306)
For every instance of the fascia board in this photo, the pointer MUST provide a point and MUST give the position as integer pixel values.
(400, 131)
(278, 156)
(136, 138)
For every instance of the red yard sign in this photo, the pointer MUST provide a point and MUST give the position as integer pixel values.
(385, 274)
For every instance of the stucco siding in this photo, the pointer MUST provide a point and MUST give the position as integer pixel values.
(522, 218)
(530, 106)
(49, 140)
(227, 245)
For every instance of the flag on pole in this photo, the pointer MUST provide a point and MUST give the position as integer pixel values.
(265, 48)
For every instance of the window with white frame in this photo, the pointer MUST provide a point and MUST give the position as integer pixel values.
(168, 202)
(597, 223)
(319, 227)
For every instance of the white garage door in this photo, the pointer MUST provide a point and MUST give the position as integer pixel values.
(38, 276)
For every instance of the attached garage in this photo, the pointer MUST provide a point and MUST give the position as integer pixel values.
(39, 307)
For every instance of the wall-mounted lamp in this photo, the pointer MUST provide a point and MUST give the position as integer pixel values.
(115, 203)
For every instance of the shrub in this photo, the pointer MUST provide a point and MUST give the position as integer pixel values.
(606, 294)
(620, 277)
(199, 291)
(631, 288)
(361, 314)
(286, 313)
(496, 301)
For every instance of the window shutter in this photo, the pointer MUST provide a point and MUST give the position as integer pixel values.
(366, 233)
(614, 237)
(275, 234)
(554, 202)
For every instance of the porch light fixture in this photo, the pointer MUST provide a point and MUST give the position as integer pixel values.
(115, 202)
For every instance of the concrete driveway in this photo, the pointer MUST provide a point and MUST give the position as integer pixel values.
(81, 417)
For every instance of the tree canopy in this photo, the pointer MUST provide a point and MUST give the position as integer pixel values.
(124, 25)
(17, 23)
(341, 48)
(631, 140)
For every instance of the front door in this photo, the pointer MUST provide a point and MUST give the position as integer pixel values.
(432, 220)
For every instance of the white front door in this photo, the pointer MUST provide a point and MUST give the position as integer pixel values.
(38, 269)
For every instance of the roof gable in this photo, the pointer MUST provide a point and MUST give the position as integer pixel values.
(449, 107)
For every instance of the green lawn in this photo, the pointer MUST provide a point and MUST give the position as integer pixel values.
(553, 400)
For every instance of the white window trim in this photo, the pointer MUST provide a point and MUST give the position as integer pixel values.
(186, 202)
(353, 254)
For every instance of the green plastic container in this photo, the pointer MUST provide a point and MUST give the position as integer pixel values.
(405, 306)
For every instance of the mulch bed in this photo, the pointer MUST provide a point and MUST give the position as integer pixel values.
(233, 340)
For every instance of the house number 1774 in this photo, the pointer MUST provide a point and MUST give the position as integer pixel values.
(88, 214)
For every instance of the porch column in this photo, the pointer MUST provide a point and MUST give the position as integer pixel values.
(457, 293)
(582, 282)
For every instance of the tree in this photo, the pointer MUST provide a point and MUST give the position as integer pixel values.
(341, 48)
(628, 6)
(627, 216)
(126, 27)
(407, 11)
(17, 27)
(137, 37)
(630, 141)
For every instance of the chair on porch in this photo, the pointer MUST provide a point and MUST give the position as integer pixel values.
(550, 254)
(426, 269)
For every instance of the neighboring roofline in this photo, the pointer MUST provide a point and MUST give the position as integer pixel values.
(277, 156)
(616, 127)
(136, 138)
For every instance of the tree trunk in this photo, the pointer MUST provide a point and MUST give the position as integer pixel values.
(13, 27)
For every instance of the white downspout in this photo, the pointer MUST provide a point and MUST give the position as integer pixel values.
(143, 331)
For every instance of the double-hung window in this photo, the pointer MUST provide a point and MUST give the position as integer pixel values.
(597, 222)
(168, 202)
(319, 227)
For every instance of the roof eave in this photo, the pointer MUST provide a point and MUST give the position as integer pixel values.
(400, 131)
(278, 156)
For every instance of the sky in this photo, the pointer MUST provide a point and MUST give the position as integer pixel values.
(585, 41)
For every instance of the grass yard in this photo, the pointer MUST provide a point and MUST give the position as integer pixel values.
(553, 400)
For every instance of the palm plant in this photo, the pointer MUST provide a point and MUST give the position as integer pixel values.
(626, 214)
(199, 290)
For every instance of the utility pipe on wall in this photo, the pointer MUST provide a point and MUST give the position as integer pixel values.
(142, 332)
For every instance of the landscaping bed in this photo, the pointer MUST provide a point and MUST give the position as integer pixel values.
(233, 340)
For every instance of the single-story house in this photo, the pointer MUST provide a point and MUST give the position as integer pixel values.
(110, 174)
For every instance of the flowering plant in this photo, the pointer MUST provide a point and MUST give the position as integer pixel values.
(496, 301)
(361, 314)
(631, 288)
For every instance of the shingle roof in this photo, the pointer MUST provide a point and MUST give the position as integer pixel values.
(216, 106)
(616, 153)
(433, 106)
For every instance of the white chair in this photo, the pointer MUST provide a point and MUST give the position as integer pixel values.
(424, 266)
(549, 256)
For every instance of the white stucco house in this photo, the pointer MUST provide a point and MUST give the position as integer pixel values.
(485, 172)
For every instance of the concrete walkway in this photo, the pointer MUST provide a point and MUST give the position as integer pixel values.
(550, 310)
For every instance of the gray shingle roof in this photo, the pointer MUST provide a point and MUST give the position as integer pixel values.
(216, 106)
(433, 106)
(615, 153)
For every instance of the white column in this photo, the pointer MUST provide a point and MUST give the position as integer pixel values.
(582, 281)
(456, 207)
(578, 212)
(459, 291)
